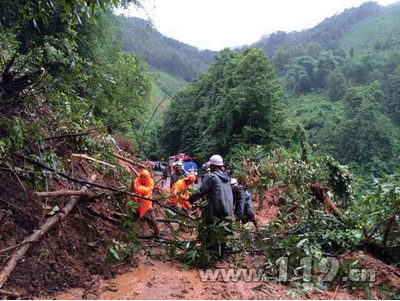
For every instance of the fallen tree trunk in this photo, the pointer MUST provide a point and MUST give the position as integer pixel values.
(70, 135)
(129, 161)
(37, 235)
(62, 192)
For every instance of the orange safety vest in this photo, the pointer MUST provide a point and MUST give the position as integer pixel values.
(180, 194)
(143, 188)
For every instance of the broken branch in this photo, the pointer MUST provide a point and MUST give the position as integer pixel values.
(129, 161)
(84, 156)
(102, 216)
(19, 180)
(168, 220)
(16, 207)
(133, 170)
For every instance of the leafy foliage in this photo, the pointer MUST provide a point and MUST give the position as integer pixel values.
(76, 67)
(235, 101)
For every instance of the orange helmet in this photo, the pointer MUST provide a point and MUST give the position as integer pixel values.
(145, 176)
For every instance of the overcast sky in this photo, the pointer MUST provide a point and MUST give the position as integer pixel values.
(215, 24)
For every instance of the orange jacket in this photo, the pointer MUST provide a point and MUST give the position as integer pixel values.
(180, 194)
(143, 185)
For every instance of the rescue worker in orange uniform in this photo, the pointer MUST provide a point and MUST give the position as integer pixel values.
(180, 192)
(143, 185)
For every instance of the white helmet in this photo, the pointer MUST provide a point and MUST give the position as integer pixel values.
(216, 160)
(234, 182)
(177, 163)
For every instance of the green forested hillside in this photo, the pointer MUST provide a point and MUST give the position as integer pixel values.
(161, 52)
(345, 92)
(166, 84)
(327, 33)
(378, 32)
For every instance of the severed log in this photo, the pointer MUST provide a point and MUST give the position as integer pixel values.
(9, 293)
(37, 235)
(62, 192)
(329, 205)
(129, 161)
(321, 193)
(84, 156)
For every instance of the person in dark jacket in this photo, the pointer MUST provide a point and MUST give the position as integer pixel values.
(243, 204)
(216, 188)
(178, 173)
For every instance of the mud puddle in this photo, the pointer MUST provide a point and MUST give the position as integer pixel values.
(150, 280)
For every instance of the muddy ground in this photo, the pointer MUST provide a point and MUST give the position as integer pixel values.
(70, 262)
